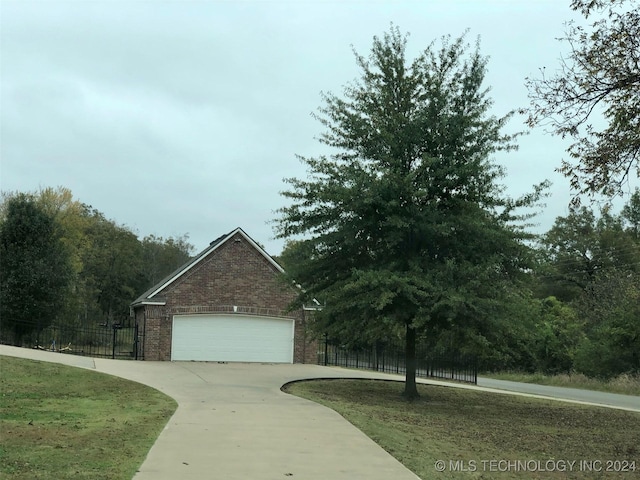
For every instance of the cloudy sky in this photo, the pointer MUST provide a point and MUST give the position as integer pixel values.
(183, 117)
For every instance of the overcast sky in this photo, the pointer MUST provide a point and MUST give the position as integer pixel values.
(183, 117)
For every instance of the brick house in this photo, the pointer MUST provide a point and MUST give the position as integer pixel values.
(228, 303)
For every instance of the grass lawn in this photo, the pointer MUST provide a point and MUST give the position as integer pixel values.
(471, 429)
(624, 384)
(60, 422)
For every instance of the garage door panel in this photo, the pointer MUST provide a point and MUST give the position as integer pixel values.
(232, 338)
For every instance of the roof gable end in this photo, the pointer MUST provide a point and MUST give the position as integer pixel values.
(149, 294)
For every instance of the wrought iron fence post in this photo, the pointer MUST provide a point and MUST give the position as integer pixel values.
(475, 371)
(451, 364)
(326, 349)
(113, 345)
(135, 342)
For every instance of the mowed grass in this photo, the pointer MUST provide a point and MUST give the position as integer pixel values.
(469, 427)
(625, 384)
(60, 422)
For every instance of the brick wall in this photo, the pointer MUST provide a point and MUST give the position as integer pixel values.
(234, 274)
(306, 346)
(156, 340)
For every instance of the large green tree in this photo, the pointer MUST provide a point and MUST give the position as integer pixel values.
(404, 229)
(36, 268)
(112, 273)
(594, 97)
(580, 246)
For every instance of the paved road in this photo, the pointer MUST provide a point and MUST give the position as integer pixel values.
(587, 396)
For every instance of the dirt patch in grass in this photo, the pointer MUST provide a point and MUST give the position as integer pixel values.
(477, 434)
(60, 422)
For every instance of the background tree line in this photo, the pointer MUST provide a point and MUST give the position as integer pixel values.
(63, 262)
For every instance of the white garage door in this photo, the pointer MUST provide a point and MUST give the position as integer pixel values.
(232, 338)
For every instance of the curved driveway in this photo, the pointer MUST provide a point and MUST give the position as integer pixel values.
(233, 422)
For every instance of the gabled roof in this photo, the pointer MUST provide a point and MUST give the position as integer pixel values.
(150, 296)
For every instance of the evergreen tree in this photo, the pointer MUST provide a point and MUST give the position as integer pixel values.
(36, 268)
(404, 230)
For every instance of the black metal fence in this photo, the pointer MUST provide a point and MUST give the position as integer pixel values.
(390, 359)
(92, 340)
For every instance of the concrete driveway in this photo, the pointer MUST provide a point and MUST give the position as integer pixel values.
(233, 422)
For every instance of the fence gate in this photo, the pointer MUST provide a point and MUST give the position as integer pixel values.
(93, 340)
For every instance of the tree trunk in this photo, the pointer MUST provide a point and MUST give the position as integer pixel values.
(410, 389)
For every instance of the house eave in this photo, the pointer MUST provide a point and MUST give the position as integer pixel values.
(149, 302)
(311, 308)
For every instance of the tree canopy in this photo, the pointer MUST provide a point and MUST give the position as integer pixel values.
(594, 98)
(36, 268)
(405, 229)
(64, 262)
(592, 264)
